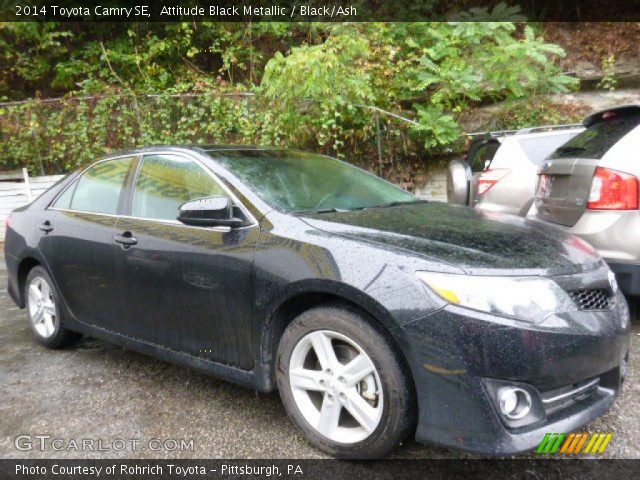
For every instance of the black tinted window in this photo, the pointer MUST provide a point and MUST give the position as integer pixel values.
(596, 140)
(480, 157)
(98, 189)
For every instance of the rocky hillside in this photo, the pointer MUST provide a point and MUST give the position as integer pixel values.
(596, 51)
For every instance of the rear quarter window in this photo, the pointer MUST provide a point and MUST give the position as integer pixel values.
(539, 148)
(596, 140)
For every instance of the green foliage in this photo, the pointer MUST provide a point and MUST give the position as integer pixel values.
(304, 85)
(319, 89)
(439, 129)
(609, 81)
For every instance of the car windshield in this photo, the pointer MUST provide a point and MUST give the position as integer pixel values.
(292, 181)
(596, 140)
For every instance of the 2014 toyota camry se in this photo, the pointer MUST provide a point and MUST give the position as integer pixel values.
(375, 314)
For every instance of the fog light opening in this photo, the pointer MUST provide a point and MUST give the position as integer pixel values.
(515, 403)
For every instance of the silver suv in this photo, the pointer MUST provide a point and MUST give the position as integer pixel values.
(590, 186)
(499, 172)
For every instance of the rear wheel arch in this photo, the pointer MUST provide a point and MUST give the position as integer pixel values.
(26, 265)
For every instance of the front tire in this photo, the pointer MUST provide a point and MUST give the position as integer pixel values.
(343, 384)
(44, 311)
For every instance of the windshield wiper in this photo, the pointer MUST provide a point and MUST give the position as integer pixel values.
(397, 203)
(321, 210)
(569, 149)
(333, 210)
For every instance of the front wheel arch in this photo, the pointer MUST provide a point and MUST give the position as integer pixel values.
(290, 308)
(399, 393)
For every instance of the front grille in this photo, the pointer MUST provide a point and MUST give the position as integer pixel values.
(592, 298)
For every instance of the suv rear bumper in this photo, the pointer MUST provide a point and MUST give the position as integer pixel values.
(615, 235)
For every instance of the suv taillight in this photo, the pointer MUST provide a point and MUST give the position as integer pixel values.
(613, 190)
(489, 178)
(7, 222)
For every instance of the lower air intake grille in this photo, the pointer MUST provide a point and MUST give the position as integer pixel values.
(592, 299)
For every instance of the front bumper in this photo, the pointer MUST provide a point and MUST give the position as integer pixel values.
(454, 351)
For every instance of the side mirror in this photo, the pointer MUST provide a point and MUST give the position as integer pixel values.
(209, 212)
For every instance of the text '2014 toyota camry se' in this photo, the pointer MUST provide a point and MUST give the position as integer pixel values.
(375, 314)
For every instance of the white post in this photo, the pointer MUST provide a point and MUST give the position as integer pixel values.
(27, 186)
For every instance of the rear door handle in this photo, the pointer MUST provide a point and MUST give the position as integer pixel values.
(126, 239)
(46, 227)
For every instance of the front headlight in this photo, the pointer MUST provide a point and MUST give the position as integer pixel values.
(531, 299)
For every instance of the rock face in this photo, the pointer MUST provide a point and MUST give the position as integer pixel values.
(598, 100)
(626, 72)
(432, 186)
(588, 45)
(483, 118)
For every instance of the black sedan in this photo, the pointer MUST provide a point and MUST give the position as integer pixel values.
(375, 314)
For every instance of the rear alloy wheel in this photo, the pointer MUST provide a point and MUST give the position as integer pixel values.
(45, 315)
(42, 307)
(343, 384)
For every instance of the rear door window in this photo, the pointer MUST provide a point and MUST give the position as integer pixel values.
(98, 188)
(596, 140)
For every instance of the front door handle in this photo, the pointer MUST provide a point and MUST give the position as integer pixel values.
(46, 227)
(126, 239)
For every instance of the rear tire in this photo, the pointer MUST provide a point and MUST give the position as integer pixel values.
(357, 402)
(46, 317)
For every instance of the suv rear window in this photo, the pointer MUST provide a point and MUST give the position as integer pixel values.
(596, 140)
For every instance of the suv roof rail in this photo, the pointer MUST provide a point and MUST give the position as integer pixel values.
(541, 128)
(492, 133)
(545, 128)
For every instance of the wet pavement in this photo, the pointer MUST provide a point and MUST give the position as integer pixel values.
(100, 401)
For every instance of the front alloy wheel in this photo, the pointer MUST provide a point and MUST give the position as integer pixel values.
(336, 386)
(344, 383)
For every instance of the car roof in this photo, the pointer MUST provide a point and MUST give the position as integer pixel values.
(546, 133)
(533, 132)
(194, 148)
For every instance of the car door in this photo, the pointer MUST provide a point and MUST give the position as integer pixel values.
(189, 288)
(77, 240)
(480, 157)
(463, 174)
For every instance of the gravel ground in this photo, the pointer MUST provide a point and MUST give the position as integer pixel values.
(104, 393)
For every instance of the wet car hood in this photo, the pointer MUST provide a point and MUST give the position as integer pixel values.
(467, 238)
